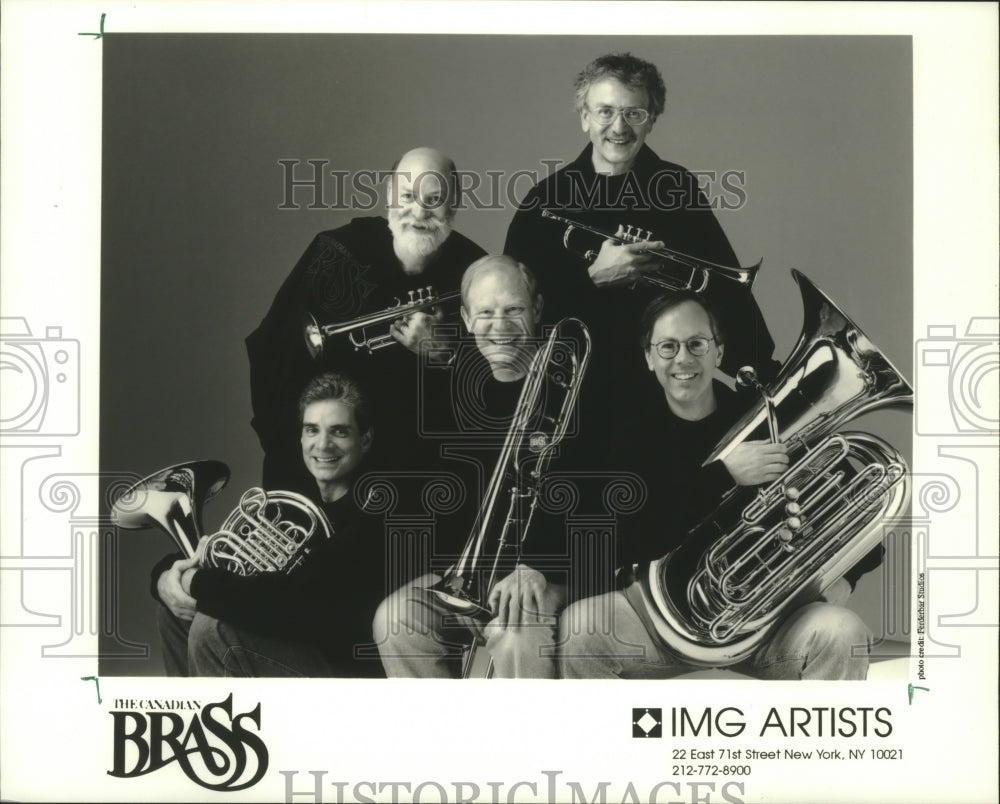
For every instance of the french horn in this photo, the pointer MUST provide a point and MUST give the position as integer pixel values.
(268, 531)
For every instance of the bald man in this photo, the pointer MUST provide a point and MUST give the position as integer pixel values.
(357, 269)
(419, 635)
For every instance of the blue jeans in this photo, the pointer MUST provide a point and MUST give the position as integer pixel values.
(604, 637)
(206, 646)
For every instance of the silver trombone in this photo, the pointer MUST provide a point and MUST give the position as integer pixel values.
(421, 300)
(544, 409)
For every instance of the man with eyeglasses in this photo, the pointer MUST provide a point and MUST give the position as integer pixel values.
(618, 181)
(366, 266)
(665, 443)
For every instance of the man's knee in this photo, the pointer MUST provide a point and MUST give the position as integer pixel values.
(834, 625)
(389, 617)
(207, 645)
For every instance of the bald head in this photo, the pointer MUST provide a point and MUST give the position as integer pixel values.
(424, 160)
(427, 172)
(506, 271)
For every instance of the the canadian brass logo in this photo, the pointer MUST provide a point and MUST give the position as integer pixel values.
(212, 747)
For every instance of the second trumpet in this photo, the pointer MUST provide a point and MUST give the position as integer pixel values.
(677, 271)
(421, 300)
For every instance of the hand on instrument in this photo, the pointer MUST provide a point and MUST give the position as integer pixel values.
(755, 462)
(517, 598)
(837, 592)
(411, 330)
(172, 593)
(618, 263)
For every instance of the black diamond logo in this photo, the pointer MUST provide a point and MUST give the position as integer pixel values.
(647, 722)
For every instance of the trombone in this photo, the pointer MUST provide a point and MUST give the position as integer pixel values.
(539, 424)
(421, 300)
(695, 274)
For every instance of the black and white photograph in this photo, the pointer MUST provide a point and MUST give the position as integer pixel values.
(636, 382)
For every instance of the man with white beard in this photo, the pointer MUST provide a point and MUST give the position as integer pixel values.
(363, 267)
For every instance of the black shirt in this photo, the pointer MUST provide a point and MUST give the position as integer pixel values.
(343, 274)
(328, 601)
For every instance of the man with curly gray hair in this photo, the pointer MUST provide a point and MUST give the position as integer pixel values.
(618, 182)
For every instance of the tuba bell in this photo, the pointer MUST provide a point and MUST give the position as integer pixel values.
(768, 550)
(268, 531)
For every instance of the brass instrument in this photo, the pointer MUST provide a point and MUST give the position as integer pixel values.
(268, 531)
(547, 400)
(420, 301)
(764, 552)
(694, 274)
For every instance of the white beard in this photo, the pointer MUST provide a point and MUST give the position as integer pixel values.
(408, 242)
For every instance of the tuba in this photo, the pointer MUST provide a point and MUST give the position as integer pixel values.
(544, 408)
(766, 551)
(677, 271)
(421, 300)
(268, 531)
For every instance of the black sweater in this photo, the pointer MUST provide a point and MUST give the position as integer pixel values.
(328, 601)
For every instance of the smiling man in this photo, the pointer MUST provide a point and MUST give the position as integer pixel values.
(363, 267)
(665, 443)
(501, 309)
(307, 622)
(617, 181)
(419, 636)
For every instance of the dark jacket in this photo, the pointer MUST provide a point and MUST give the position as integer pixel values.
(328, 601)
(658, 196)
(344, 273)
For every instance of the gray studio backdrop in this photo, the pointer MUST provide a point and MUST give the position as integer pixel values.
(195, 242)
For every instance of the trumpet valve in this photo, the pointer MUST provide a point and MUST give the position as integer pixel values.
(792, 493)
(793, 509)
(411, 297)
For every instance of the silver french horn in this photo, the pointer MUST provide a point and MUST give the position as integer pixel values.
(268, 531)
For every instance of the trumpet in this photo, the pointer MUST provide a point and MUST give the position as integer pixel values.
(677, 271)
(421, 300)
(538, 426)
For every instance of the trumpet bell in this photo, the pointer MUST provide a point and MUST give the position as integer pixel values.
(172, 499)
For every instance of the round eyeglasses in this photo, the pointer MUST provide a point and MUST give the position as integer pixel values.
(605, 115)
(698, 347)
